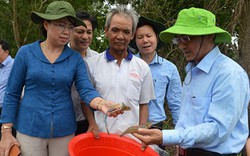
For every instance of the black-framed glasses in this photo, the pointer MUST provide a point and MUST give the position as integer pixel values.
(183, 39)
(62, 27)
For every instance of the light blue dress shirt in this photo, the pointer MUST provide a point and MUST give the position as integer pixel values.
(167, 84)
(214, 114)
(46, 109)
(5, 68)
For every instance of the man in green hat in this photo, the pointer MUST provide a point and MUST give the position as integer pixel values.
(213, 118)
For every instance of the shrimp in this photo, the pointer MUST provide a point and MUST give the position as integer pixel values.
(123, 107)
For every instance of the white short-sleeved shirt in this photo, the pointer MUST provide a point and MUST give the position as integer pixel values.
(130, 83)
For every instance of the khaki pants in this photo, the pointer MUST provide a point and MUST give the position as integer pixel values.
(34, 146)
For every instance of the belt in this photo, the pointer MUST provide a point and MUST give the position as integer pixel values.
(200, 152)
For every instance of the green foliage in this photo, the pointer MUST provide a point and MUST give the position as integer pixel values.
(6, 32)
(161, 10)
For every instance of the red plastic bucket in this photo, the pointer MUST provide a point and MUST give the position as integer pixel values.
(107, 145)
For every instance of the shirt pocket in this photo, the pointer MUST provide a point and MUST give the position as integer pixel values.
(200, 106)
(160, 86)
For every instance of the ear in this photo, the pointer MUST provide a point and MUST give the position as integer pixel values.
(158, 39)
(211, 37)
(45, 24)
(106, 31)
(133, 35)
(7, 51)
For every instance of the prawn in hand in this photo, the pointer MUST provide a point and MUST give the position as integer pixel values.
(148, 136)
(122, 107)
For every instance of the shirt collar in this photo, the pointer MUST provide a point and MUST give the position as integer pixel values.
(6, 61)
(111, 58)
(37, 51)
(88, 53)
(156, 60)
(206, 63)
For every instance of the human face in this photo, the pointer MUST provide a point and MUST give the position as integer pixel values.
(59, 31)
(82, 37)
(146, 39)
(193, 49)
(3, 54)
(119, 33)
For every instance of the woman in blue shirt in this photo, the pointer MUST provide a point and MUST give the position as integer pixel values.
(44, 119)
(167, 82)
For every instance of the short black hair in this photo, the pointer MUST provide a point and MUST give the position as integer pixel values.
(86, 16)
(5, 45)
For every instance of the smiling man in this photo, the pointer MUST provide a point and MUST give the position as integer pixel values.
(82, 36)
(80, 41)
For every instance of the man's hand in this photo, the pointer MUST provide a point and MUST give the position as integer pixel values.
(93, 127)
(149, 136)
(134, 129)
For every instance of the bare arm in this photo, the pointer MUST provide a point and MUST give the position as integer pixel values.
(87, 112)
(143, 115)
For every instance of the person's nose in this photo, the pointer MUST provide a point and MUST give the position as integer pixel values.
(145, 39)
(120, 35)
(67, 30)
(182, 45)
(84, 35)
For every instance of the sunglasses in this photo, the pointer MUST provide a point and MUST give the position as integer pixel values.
(183, 39)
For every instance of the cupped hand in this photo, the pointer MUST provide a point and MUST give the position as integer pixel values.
(148, 136)
(112, 109)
